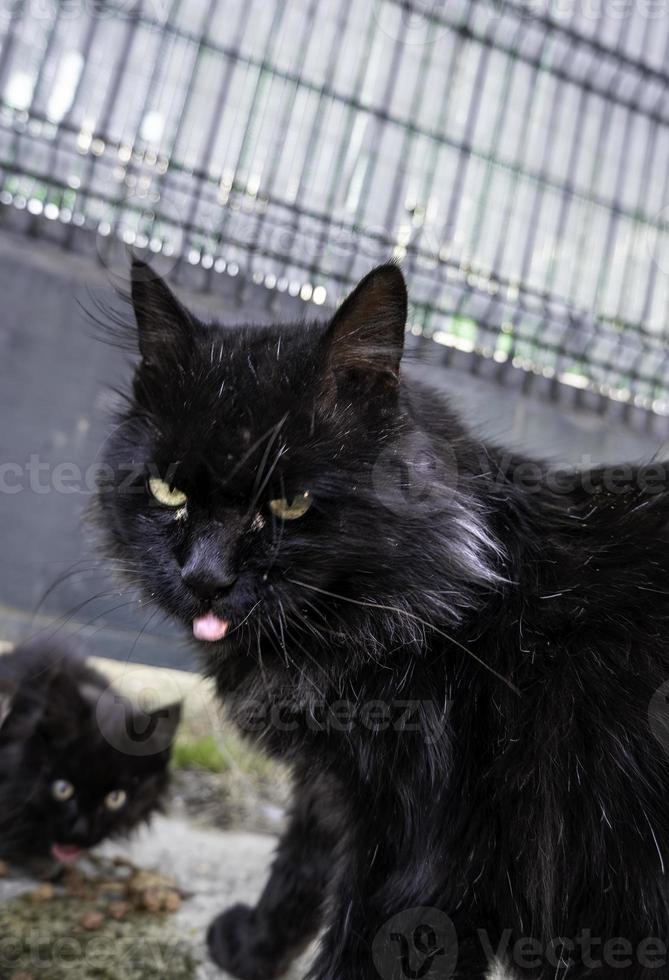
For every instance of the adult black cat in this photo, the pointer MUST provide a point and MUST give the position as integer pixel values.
(78, 762)
(457, 650)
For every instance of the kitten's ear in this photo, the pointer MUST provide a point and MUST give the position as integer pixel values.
(164, 724)
(164, 325)
(366, 336)
(66, 708)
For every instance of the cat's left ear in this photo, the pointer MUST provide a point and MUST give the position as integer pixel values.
(366, 336)
(164, 325)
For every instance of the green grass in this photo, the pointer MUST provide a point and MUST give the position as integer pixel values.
(201, 752)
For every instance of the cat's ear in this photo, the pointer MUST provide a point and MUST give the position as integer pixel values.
(65, 709)
(366, 336)
(164, 325)
(163, 725)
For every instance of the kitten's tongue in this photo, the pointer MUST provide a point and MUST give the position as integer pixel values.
(209, 627)
(66, 853)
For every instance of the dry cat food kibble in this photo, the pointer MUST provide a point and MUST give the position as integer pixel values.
(131, 889)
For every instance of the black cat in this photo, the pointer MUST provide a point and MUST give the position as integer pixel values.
(460, 652)
(78, 762)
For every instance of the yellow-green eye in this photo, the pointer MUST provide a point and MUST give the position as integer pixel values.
(290, 510)
(115, 799)
(62, 791)
(165, 495)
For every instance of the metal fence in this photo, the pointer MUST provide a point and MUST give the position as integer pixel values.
(513, 153)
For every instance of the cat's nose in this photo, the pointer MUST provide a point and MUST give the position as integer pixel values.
(80, 830)
(207, 581)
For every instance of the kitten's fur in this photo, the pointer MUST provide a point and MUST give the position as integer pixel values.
(526, 794)
(61, 720)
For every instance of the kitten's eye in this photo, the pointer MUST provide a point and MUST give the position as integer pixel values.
(290, 510)
(115, 799)
(62, 791)
(165, 495)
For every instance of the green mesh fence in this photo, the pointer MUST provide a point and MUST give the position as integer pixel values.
(514, 155)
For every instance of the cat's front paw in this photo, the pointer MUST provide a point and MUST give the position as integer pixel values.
(240, 944)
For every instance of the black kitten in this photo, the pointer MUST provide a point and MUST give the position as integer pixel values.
(456, 649)
(78, 762)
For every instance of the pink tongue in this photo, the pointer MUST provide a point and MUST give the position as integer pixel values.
(67, 853)
(209, 627)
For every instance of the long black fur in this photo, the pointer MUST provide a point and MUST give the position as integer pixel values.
(522, 614)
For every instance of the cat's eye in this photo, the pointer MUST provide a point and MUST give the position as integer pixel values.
(290, 510)
(166, 495)
(62, 791)
(116, 799)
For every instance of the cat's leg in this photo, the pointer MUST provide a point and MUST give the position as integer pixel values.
(259, 943)
(389, 920)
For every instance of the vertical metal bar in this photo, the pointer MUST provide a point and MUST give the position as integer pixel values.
(314, 142)
(109, 102)
(431, 175)
(223, 89)
(265, 70)
(374, 137)
(282, 127)
(351, 115)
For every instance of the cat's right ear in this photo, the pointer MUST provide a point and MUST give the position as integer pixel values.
(164, 325)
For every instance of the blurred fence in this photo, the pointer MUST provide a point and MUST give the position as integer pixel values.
(513, 153)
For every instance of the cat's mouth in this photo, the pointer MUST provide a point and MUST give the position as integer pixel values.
(210, 628)
(66, 853)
